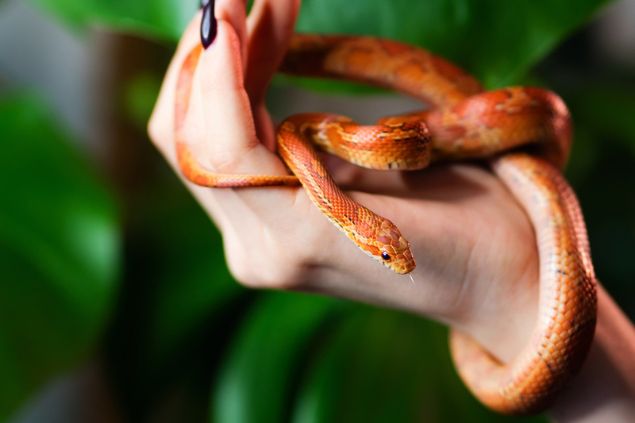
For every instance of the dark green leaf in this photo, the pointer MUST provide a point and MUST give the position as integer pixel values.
(164, 19)
(188, 249)
(608, 109)
(384, 366)
(59, 251)
(257, 379)
(172, 323)
(497, 41)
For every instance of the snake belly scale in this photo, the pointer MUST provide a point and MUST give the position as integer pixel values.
(464, 122)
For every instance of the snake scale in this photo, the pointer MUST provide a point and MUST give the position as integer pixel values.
(463, 122)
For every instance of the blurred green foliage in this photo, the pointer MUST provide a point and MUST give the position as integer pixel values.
(59, 251)
(163, 19)
(512, 35)
(601, 172)
(186, 343)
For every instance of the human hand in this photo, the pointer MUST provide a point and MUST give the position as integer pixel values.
(477, 265)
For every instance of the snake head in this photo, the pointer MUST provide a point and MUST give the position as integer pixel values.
(392, 249)
(379, 238)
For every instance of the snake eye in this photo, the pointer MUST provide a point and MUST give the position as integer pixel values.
(385, 255)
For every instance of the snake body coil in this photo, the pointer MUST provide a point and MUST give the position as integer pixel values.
(463, 123)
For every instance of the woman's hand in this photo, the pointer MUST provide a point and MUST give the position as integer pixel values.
(477, 265)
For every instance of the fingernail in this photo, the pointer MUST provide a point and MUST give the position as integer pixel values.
(209, 25)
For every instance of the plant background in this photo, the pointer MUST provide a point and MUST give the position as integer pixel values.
(115, 302)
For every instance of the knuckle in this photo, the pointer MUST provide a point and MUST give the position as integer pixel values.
(237, 260)
(156, 129)
(240, 269)
(264, 268)
(285, 277)
(282, 267)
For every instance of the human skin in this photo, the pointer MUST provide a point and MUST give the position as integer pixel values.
(477, 263)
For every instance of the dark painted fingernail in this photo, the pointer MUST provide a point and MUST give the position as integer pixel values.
(209, 25)
(204, 3)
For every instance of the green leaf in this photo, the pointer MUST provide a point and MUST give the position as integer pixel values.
(601, 172)
(59, 251)
(381, 366)
(259, 372)
(607, 108)
(186, 247)
(172, 323)
(497, 41)
(163, 19)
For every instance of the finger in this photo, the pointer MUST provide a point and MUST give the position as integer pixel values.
(161, 123)
(270, 26)
(234, 12)
(220, 123)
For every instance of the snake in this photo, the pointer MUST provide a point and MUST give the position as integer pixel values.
(522, 133)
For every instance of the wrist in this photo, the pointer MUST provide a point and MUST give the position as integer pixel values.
(605, 388)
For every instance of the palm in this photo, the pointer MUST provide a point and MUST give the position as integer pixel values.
(459, 219)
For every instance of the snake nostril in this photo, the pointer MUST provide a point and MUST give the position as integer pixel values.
(385, 255)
